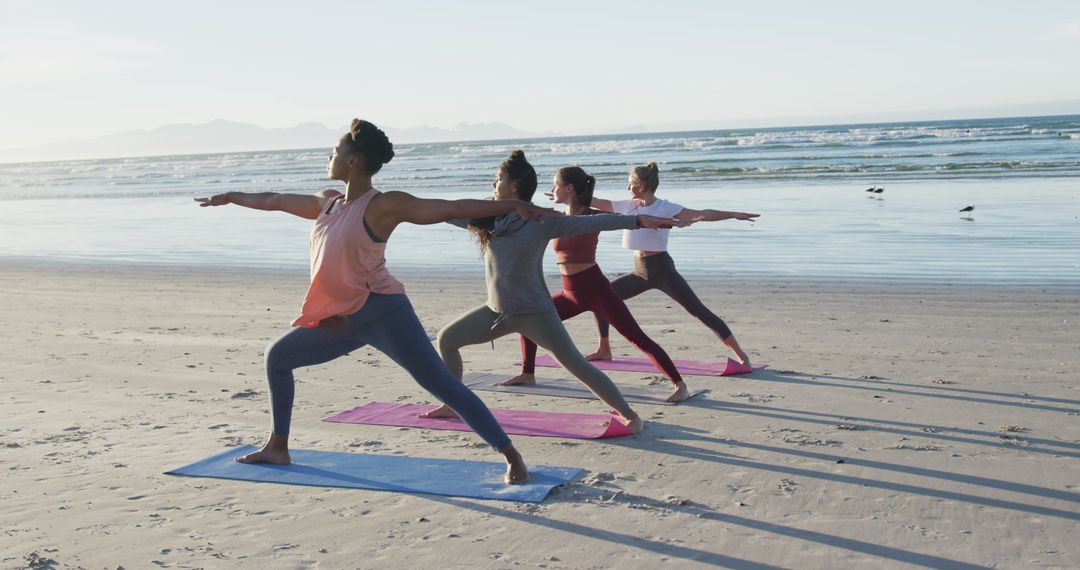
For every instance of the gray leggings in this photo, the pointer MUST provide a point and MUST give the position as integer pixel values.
(658, 271)
(482, 325)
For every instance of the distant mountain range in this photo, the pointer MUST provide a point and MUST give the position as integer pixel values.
(228, 136)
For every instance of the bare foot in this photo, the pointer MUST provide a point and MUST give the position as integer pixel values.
(523, 378)
(599, 355)
(740, 354)
(680, 394)
(442, 411)
(267, 455)
(635, 423)
(603, 351)
(516, 471)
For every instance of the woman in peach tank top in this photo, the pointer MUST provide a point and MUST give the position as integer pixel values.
(353, 300)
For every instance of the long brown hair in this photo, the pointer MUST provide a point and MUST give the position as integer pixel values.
(582, 181)
(517, 169)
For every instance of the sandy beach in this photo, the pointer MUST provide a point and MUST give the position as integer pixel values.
(898, 426)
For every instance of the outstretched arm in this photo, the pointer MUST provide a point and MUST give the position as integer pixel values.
(303, 205)
(425, 211)
(558, 226)
(393, 208)
(688, 215)
(598, 203)
(602, 204)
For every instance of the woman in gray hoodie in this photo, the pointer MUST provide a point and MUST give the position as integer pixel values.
(518, 300)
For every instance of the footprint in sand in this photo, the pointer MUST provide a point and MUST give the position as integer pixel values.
(807, 440)
(245, 394)
(902, 444)
(787, 486)
(599, 477)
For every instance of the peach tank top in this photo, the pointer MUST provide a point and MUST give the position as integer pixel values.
(347, 265)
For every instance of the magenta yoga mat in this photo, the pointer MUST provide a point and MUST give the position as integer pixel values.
(686, 367)
(568, 388)
(515, 422)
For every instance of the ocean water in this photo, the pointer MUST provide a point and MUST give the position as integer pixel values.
(808, 183)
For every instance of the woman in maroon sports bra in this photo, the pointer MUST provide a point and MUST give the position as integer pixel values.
(586, 289)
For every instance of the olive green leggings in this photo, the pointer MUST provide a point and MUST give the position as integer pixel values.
(482, 325)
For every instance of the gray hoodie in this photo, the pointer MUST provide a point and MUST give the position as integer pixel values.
(513, 262)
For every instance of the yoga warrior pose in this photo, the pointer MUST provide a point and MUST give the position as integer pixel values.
(353, 300)
(518, 300)
(586, 289)
(653, 266)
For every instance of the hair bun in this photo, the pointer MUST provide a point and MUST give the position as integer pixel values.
(356, 129)
(388, 153)
(517, 169)
(370, 141)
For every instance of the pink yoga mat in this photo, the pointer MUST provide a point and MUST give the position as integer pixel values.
(687, 367)
(515, 422)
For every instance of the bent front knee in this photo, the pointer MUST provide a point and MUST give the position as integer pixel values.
(446, 344)
(272, 354)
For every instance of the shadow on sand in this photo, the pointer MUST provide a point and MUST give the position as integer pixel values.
(944, 391)
(663, 548)
(691, 443)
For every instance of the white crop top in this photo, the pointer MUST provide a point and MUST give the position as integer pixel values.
(645, 239)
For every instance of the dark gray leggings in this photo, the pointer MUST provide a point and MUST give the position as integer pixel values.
(388, 324)
(658, 271)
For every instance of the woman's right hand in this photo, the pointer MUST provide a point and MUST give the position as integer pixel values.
(215, 200)
(532, 212)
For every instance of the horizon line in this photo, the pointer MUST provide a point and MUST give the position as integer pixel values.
(530, 138)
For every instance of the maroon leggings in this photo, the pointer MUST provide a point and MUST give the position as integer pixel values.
(589, 290)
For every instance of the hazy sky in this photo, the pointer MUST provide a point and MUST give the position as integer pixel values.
(76, 69)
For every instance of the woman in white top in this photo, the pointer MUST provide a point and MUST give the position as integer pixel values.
(653, 266)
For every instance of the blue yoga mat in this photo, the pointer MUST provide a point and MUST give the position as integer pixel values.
(450, 477)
